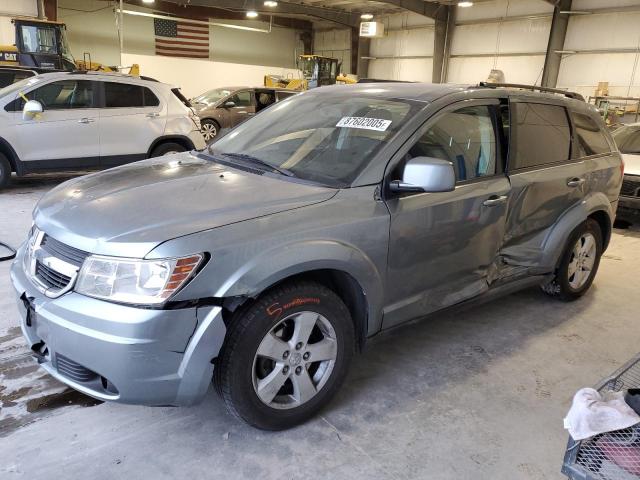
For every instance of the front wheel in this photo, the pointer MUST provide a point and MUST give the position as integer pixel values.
(285, 356)
(579, 263)
(5, 171)
(209, 129)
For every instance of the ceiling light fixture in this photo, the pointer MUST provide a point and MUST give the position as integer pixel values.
(464, 4)
(148, 1)
(252, 14)
(366, 16)
(270, 3)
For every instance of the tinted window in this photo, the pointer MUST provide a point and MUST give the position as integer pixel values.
(120, 95)
(591, 140)
(628, 139)
(150, 100)
(283, 95)
(466, 138)
(540, 135)
(61, 95)
(241, 99)
(8, 77)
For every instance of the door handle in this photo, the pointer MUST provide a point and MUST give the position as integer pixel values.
(86, 120)
(153, 115)
(494, 200)
(575, 182)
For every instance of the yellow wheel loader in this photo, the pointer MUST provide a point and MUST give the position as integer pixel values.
(317, 71)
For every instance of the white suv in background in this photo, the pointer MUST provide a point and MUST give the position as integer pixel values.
(75, 121)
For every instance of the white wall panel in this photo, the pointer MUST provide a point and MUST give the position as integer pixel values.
(586, 4)
(409, 69)
(514, 37)
(498, 8)
(196, 76)
(472, 70)
(415, 42)
(612, 30)
(334, 43)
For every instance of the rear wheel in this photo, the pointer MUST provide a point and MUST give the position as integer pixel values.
(167, 149)
(579, 263)
(210, 129)
(285, 356)
(5, 171)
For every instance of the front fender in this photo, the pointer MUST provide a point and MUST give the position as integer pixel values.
(273, 266)
(555, 241)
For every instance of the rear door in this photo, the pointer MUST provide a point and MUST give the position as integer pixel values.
(66, 134)
(133, 117)
(443, 246)
(546, 179)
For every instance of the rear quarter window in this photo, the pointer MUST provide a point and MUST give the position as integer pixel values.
(590, 138)
(540, 135)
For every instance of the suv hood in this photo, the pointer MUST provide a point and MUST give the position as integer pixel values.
(129, 210)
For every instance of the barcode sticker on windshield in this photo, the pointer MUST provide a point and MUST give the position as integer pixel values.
(377, 124)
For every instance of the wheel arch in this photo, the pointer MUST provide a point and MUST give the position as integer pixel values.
(12, 156)
(179, 139)
(596, 206)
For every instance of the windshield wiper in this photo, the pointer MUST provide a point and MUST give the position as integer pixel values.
(251, 159)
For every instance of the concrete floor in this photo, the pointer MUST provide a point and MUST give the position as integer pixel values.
(479, 394)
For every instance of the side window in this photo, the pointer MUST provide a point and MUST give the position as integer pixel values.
(285, 95)
(242, 99)
(150, 99)
(122, 95)
(589, 136)
(466, 138)
(62, 95)
(540, 135)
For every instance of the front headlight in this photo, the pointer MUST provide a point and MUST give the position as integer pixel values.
(34, 233)
(134, 281)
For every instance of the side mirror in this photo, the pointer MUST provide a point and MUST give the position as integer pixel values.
(426, 174)
(229, 104)
(31, 109)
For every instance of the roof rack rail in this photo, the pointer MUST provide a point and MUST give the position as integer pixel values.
(533, 88)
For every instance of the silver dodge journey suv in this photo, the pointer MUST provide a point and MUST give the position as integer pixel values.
(267, 260)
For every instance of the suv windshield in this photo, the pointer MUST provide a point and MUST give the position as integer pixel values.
(628, 139)
(327, 139)
(212, 96)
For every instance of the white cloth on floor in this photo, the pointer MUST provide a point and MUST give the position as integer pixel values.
(591, 414)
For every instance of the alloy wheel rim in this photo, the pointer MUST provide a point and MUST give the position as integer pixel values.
(209, 131)
(583, 259)
(294, 360)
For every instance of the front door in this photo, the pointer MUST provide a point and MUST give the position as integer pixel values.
(443, 246)
(245, 107)
(65, 134)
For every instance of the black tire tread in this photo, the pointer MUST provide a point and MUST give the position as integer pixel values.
(241, 321)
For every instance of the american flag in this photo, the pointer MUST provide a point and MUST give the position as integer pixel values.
(181, 38)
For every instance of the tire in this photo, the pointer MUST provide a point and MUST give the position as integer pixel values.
(210, 129)
(275, 324)
(5, 171)
(570, 283)
(167, 149)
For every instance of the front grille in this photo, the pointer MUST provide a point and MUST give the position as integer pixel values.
(64, 252)
(50, 278)
(73, 370)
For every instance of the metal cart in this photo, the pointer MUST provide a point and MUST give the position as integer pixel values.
(613, 455)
